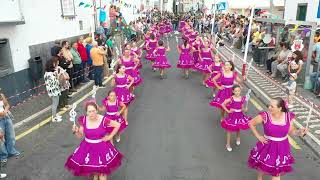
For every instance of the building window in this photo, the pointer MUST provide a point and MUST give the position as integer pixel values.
(302, 11)
(6, 66)
(67, 8)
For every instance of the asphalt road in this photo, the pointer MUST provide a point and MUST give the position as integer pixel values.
(173, 134)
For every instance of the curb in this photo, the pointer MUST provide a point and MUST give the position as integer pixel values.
(46, 112)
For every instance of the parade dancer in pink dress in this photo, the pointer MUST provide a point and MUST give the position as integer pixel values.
(161, 61)
(151, 46)
(146, 40)
(193, 37)
(272, 154)
(122, 83)
(131, 65)
(196, 50)
(182, 24)
(95, 156)
(114, 110)
(228, 78)
(185, 59)
(187, 33)
(205, 60)
(214, 68)
(163, 29)
(136, 51)
(236, 120)
(169, 27)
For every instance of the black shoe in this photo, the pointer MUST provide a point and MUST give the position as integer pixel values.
(102, 85)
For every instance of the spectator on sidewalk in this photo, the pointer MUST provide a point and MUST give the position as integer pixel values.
(110, 51)
(62, 64)
(316, 51)
(282, 58)
(68, 57)
(2, 175)
(56, 48)
(7, 142)
(315, 80)
(53, 88)
(97, 55)
(99, 39)
(285, 35)
(291, 87)
(316, 37)
(77, 65)
(63, 77)
(295, 65)
(112, 14)
(84, 58)
(292, 65)
(273, 57)
(100, 31)
(89, 61)
(237, 36)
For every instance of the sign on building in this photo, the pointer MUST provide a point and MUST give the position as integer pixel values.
(318, 15)
(222, 6)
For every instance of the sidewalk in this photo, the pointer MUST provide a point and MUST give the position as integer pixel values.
(37, 108)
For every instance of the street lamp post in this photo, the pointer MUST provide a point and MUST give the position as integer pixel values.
(248, 36)
(307, 83)
(161, 4)
(214, 16)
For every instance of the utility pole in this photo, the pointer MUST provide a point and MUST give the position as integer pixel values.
(271, 7)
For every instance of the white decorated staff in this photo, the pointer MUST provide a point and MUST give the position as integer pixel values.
(94, 92)
(248, 98)
(73, 114)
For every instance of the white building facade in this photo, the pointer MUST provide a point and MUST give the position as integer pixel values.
(303, 10)
(43, 22)
(28, 28)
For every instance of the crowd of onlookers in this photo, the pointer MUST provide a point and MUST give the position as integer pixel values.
(73, 64)
(278, 57)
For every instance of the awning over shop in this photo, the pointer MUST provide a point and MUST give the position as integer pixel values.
(244, 4)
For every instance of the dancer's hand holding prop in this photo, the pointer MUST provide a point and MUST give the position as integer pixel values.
(248, 98)
(94, 92)
(113, 63)
(308, 120)
(73, 115)
(247, 72)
